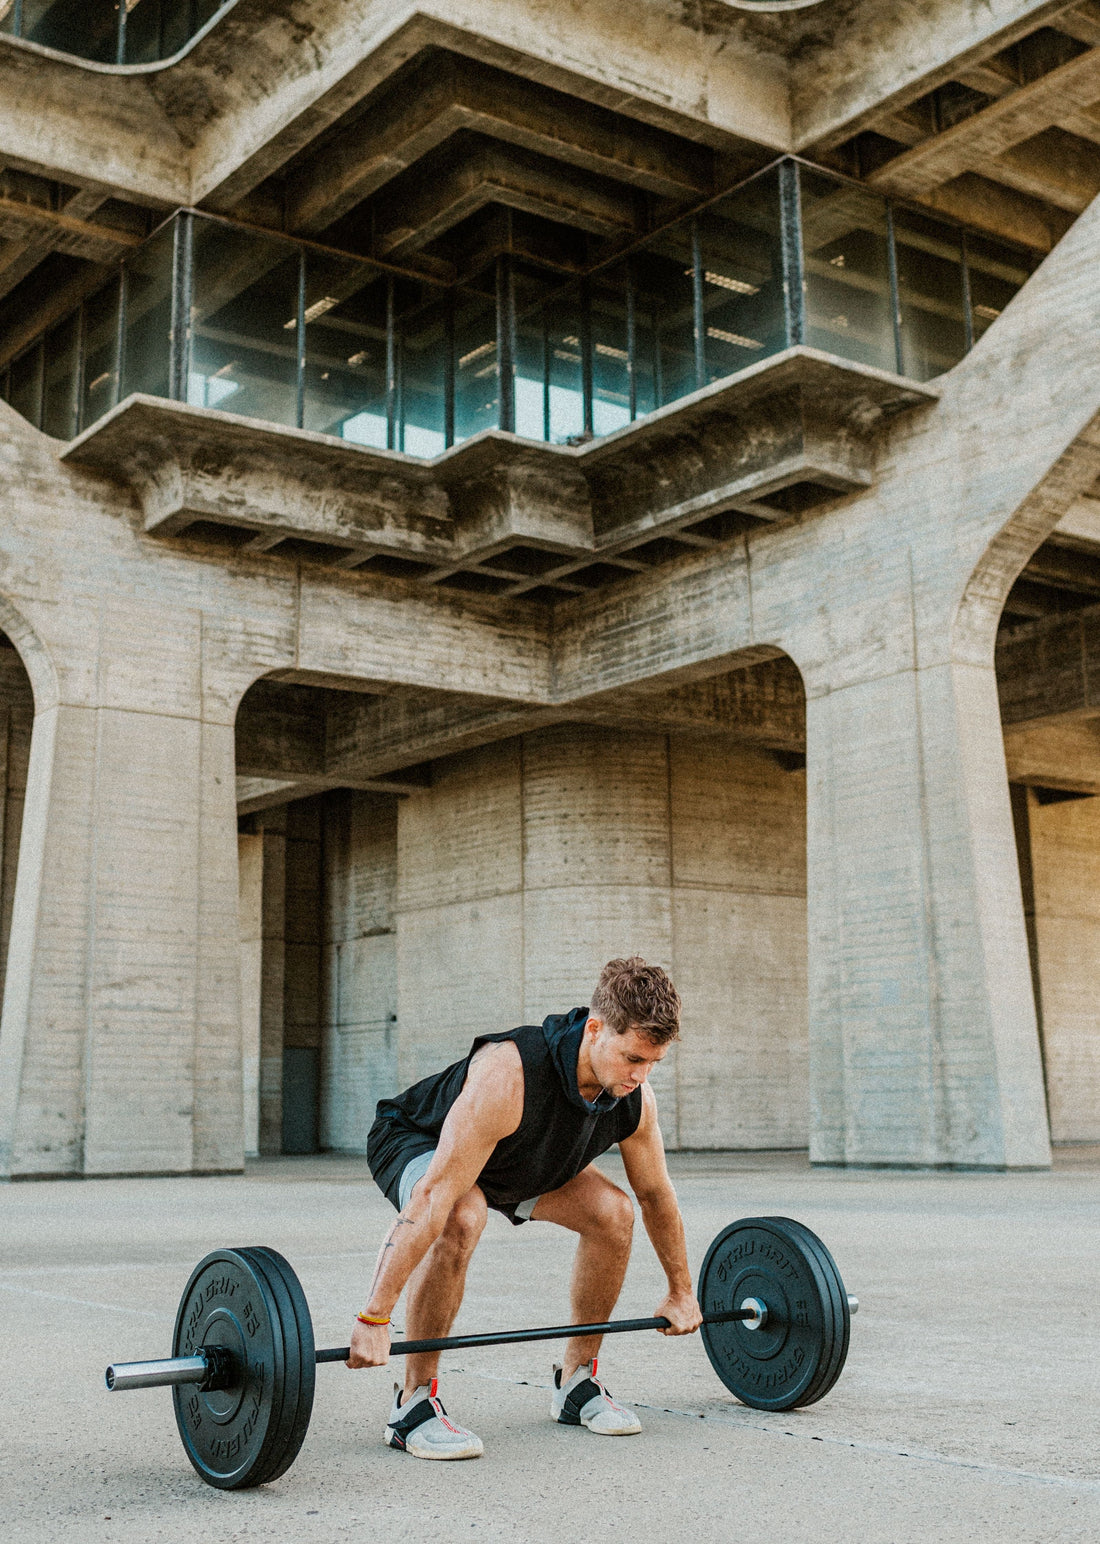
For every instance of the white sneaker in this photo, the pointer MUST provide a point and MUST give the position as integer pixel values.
(423, 1428)
(585, 1402)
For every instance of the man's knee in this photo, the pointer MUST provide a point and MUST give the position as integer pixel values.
(614, 1214)
(466, 1224)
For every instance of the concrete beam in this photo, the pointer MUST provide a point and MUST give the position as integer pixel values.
(1057, 167)
(878, 59)
(1050, 668)
(451, 95)
(64, 230)
(1001, 211)
(353, 741)
(420, 208)
(1055, 754)
(800, 420)
(250, 116)
(1082, 23)
(976, 141)
(89, 125)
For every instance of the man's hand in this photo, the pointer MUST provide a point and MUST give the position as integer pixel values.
(683, 1312)
(370, 1345)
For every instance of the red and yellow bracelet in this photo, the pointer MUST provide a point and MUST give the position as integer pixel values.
(367, 1319)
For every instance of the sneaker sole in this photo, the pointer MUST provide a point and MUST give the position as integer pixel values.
(575, 1420)
(432, 1457)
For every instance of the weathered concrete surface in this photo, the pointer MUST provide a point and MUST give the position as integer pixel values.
(873, 59)
(963, 1413)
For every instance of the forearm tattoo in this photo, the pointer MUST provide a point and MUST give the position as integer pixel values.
(402, 1221)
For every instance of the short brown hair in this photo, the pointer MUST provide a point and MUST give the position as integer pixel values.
(633, 995)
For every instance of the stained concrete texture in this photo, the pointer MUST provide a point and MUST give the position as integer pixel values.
(967, 1411)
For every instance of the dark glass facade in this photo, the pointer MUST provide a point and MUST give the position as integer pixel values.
(109, 31)
(227, 317)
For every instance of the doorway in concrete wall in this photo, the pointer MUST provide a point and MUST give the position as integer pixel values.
(1048, 651)
(316, 866)
(16, 721)
(280, 866)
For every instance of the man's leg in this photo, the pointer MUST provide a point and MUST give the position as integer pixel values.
(603, 1217)
(436, 1286)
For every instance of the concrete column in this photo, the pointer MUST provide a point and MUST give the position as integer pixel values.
(597, 871)
(460, 908)
(923, 1039)
(359, 967)
(44, 1028)
(120, 1047)
(273, 981)
(739, 945)
(250, 864)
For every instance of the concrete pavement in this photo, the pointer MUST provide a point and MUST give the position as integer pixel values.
(968, 1408)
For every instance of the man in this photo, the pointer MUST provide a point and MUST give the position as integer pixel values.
(516, 1126)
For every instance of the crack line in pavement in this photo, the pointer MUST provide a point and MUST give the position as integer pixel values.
(880, 1448)
(80, 1302)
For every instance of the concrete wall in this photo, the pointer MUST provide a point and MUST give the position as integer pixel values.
(531, 862)
(1065, 885)
(359, 959)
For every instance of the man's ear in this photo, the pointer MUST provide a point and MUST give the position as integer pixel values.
(593, 1025)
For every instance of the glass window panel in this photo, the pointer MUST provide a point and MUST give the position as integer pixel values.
(610, 353)
(345, 379)
(73, 26)
(25, 386)
(147, 336)
(422, 323)
(548, 375)
(563, 400)
(930, 295)
(152, 28)
(996, 271)
(848, 305)
(477, 386)
(100, 354)
(244, 324)
(59, 411)
(665, 317)
(744, 314)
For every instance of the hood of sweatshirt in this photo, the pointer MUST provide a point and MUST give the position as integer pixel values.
(564, 1032)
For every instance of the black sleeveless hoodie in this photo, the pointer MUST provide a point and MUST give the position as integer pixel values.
(559, 1135)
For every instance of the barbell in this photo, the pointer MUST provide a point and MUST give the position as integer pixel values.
(776, 1321)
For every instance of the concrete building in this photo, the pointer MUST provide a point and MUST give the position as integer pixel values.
(486, 486)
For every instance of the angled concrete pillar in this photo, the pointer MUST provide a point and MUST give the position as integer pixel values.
(923, 1041)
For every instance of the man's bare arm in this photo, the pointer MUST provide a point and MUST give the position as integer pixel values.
(489, 1108)
(643, 1155)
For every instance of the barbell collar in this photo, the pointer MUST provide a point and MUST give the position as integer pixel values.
(212, 1367)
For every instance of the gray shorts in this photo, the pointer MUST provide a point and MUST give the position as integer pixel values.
(416, 1169)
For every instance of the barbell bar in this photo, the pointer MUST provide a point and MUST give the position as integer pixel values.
(211, 1371)
(776, 1322)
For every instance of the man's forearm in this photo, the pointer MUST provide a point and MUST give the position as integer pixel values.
(413, 1233)
(665, 1227)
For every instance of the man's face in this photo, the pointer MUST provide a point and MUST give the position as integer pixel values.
(621, 1063)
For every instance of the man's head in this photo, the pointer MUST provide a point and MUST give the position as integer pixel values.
(633, 1018)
